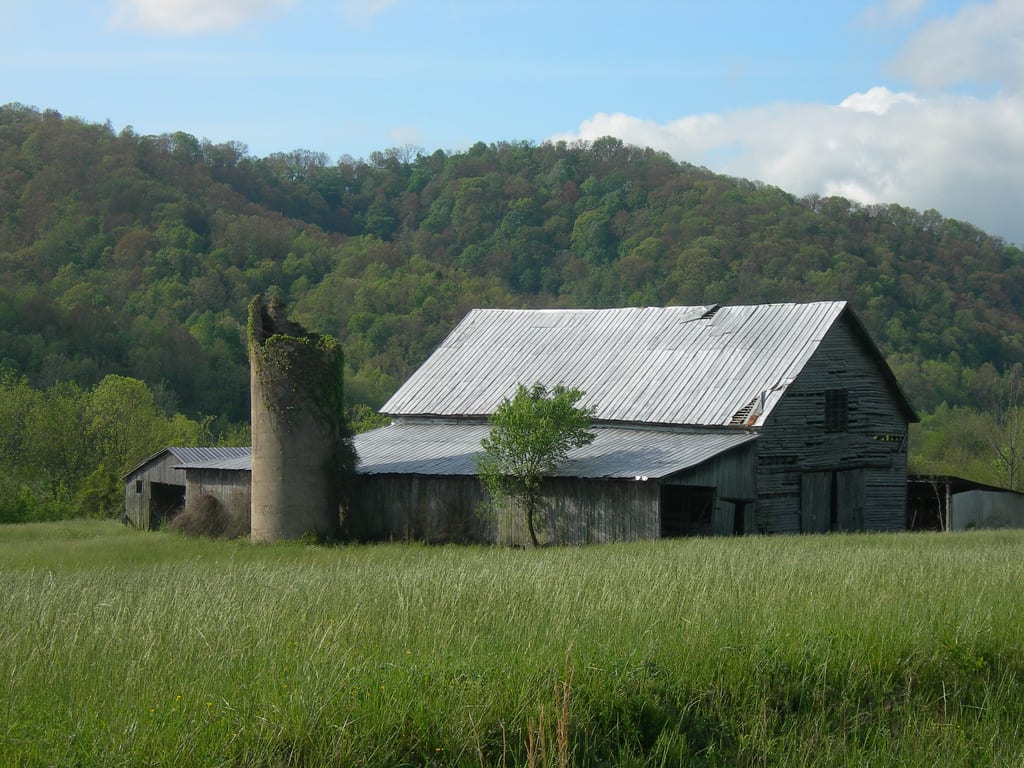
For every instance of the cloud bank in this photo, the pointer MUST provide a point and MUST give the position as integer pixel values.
(962, 155)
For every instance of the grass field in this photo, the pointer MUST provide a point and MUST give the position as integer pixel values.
(149, 649)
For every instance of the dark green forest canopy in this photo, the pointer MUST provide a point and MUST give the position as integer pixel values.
(138, 255)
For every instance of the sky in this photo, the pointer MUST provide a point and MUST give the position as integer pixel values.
(915, 102)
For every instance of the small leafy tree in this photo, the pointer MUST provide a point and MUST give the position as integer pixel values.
(1006, 436)
(531, 436)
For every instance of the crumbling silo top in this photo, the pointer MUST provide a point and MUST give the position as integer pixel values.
(269, 318)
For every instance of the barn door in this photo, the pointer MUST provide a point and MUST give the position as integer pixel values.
(832, 501)
(849, 500)
(815, 501)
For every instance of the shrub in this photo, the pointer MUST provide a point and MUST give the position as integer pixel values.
(208, 517)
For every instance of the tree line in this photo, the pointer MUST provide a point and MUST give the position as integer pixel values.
(63, 450)
(137, 256)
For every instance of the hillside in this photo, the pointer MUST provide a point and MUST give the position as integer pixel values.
(137, 255)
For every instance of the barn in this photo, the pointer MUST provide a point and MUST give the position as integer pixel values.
(710, 420)
(154, 490)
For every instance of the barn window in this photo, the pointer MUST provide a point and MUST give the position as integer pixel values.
(837, 410)
(138, 486)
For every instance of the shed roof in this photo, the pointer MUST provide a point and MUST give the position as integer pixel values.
(447, 448)
(701, 365)
(191, 455)
(433, 447)
(955, 484)
(242, 463)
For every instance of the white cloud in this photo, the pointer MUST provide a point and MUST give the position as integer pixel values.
(959, 155)
(877, 100)
(981, 43)
(191, 16)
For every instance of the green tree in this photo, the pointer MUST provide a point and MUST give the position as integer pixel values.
(60, 448)
(531, 436)
(1006, 436)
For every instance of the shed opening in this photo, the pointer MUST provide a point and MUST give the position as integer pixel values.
(686, 510)
(165, 501)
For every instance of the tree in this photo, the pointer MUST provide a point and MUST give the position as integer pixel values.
(1006, 438)
(531, 436)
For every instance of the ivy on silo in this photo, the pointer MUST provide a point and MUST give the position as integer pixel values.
(301, 373)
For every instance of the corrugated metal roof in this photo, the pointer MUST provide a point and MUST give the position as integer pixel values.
(192, 455)
(448, 448)
(197, 455)
(656, 365)
(240, 462)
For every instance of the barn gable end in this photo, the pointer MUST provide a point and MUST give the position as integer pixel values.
(833, 454)
(154, 490)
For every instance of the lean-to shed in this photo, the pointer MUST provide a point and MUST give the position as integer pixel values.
(226, 482)
(777, 418)
(154, 490)
(948, 503)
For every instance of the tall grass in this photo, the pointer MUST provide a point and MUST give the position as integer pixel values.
(129, 648)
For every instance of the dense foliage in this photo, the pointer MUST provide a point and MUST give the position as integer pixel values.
(63, 450)
(137, 256)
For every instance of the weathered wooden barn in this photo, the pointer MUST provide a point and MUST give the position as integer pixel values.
(155, 489)
(710, 420)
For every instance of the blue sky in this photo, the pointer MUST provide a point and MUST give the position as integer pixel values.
(917, 102)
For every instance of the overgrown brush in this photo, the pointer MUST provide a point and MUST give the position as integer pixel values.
(129, 648)
(206, 516)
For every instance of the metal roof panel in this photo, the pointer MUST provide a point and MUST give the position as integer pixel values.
(665, 365)
(434, 447)
(188, 455)
(429, 447)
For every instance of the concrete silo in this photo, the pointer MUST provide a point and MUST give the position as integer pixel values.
(302, 450)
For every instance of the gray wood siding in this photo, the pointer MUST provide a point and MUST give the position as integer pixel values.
(136, 504)
(160, 470)
(232, 488)
(591, 511)
(732, 475)
(415, 508)
(448, 509)
(794, 441)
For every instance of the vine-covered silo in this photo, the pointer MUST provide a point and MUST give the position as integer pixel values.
(302, 451)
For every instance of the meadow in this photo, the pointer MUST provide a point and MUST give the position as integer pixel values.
(126, 648)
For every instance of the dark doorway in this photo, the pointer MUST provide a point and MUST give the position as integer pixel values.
(739, 517)
(928, 501)
(165, 501)
(686, 510)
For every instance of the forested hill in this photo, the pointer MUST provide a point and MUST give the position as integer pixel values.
(138, 255)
